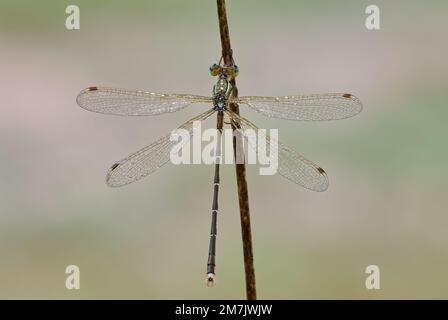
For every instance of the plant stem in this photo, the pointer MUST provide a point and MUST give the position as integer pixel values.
(243, 197)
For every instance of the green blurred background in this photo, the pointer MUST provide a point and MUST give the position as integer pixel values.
(387, 200)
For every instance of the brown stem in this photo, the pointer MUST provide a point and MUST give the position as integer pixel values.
(243, 197)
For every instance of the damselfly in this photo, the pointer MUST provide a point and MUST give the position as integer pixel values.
(291, 165)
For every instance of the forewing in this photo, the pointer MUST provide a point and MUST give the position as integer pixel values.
(291, 165)
(314, 107)
(134, 103)
(149, 159)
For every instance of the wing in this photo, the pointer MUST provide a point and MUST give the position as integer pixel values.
(149, 159)
(134, 103)
(315, 107)
(291, 165)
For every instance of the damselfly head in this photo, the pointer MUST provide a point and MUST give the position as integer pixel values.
(236, 71)
(223, 71)
(215, 69)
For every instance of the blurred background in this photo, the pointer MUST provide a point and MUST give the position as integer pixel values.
(387, 200)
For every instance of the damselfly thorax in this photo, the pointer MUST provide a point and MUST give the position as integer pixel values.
(222, 90)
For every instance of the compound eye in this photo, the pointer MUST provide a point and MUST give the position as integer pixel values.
(236, 71)
(215, 69)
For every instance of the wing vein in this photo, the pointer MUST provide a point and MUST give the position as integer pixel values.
(148, 159)
(291, 165)
(314, 107)
(134, 103)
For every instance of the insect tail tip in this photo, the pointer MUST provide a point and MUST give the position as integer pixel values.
(210, 279)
